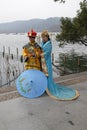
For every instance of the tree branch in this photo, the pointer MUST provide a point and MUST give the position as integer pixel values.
(61, 1)
(84, 41)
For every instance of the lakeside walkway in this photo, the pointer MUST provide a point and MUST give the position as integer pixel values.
(45, 113)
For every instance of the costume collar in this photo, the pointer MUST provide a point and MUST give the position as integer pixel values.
(32, 43)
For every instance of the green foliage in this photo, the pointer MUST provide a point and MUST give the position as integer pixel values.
(67, 30)
(75, 30)
(73, 63)
(62, 1)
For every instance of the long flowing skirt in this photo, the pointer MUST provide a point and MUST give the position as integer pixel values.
(60, 92)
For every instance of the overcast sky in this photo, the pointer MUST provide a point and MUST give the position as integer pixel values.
(11, 10)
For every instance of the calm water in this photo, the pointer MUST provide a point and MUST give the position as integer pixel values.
(12, 41)
(18, 40)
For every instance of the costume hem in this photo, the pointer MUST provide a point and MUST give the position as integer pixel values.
(62, 99)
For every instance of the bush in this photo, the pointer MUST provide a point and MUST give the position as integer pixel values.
(73, 62)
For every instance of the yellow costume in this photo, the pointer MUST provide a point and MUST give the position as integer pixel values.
(32, 51)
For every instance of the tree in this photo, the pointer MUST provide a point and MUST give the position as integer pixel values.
(62, 1)
(81, 21)
(75, 30)
(67, 27)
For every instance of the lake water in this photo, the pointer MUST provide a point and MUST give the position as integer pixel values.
(18, 40)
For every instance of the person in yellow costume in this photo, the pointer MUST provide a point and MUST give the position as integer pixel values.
(32, 53)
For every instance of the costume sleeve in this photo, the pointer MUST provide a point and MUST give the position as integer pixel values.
(38, 52)
(24, 52)
(47, 49)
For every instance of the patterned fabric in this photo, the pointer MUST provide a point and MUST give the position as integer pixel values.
(54, 90)
(32, 52)
(37, 61)
(43, 63)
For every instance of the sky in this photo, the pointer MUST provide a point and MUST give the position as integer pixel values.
(12, 10)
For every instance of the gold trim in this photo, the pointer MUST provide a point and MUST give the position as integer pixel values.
(77, 95)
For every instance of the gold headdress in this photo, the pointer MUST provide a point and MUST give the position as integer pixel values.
(45, 33)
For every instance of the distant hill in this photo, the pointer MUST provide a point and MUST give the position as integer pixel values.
(51, 24)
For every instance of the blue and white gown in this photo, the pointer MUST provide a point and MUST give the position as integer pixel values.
(54, 90)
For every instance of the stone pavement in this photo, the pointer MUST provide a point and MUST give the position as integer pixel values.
(45, 113)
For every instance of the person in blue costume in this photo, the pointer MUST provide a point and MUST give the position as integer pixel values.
(54, 90)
